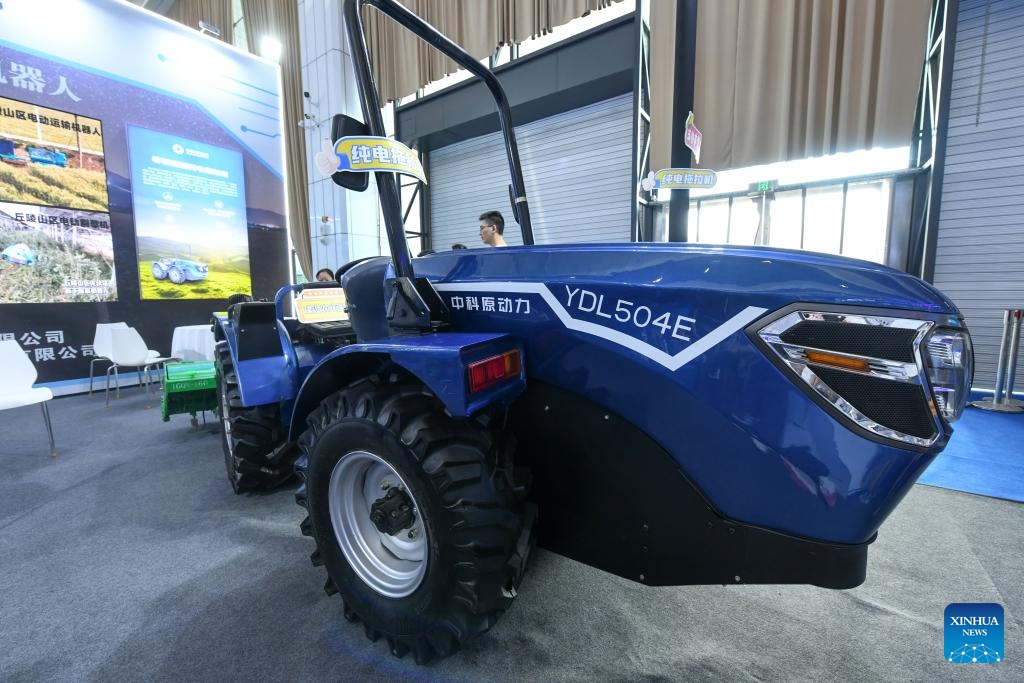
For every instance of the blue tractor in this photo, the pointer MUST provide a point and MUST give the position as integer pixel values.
(179, 270)
(47, 157)
(9, 154)
(671, 413)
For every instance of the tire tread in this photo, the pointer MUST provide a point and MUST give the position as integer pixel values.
(256, 461)
(471, 470)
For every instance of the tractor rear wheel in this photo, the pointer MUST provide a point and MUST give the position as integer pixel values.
(175, 274)
(256, 455)
(416, 515)
(158, 271)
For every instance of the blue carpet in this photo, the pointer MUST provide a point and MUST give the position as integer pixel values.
(985, 456)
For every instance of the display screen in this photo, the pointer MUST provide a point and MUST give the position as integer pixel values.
(190, 218)
(141, 179)
(55, 241)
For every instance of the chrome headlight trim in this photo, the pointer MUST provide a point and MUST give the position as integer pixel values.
(949, 366)
(794, 356)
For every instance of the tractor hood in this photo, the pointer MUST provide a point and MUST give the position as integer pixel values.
(184, 262)
(665, 336)
(776, 277)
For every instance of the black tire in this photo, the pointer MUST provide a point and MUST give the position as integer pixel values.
(256, 456)
(460, 474)
(175, 275)
(158, 271)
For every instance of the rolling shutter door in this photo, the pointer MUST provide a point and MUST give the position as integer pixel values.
(979, 259)
(576, 166)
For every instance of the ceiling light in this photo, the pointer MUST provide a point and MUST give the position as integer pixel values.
(270, 48)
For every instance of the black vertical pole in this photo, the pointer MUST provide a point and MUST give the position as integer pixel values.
(387, 184)
(931, 236)
(682, 102)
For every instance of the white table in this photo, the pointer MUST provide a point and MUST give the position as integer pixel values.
(193, 342)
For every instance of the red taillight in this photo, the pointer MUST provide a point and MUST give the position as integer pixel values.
(488, 372)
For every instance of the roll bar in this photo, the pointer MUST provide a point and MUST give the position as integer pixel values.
(387, 186)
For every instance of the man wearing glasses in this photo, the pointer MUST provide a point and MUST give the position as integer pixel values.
(492, 225)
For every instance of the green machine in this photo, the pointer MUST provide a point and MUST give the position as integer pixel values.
(189, 387)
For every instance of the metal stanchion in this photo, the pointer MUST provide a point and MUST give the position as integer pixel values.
(1006, 369)
(1011, 363)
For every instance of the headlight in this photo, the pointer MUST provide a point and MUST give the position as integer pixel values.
(870, 370)
(949, 361)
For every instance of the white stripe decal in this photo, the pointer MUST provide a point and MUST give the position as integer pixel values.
(697, 348)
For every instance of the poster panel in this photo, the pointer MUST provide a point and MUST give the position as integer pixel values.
(55, 241)
(115, 69)
(190, 223)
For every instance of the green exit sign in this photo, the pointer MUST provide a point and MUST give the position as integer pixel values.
(763, 186)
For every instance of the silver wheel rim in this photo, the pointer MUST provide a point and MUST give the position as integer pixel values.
(394, 566)
(225, 414)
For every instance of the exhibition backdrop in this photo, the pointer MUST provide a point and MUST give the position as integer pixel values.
(141, 178)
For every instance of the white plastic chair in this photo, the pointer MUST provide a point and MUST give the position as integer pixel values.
(128, 349)
(16, 380)
(101, 345)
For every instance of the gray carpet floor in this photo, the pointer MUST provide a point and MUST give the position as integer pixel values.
(128, 558)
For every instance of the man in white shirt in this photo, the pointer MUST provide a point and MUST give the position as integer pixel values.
(492, 225)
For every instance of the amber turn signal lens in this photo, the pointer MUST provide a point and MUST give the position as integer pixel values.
(843, 362)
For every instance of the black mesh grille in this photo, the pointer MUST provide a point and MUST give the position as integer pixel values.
(864, 340)
(895, 405)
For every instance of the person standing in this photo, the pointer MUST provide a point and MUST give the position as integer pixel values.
(492, 226)
(325, 275)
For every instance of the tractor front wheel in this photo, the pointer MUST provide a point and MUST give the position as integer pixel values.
(177, 277)
(253, 440)
(416, 515)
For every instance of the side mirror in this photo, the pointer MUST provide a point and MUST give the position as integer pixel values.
(344, 126)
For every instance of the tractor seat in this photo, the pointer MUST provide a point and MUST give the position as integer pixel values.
(364, 289)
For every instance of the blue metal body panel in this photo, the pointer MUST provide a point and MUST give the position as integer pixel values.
(440, 361)
(656, 334)
(303, 359)
(267, 380)
(274, 379)
(775, 276)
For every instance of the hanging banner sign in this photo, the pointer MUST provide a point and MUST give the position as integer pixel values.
(364, 154)
(693, 137)
(680, 179)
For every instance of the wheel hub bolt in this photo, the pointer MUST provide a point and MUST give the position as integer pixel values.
(392, 513)
(384, 486)
(413, 533)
